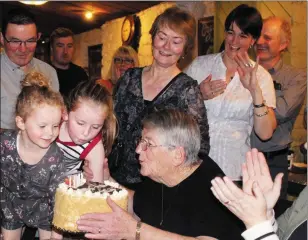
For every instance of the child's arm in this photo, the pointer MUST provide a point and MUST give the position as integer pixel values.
(57, 177)
(96, 161)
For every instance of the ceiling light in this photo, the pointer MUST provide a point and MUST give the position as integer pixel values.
(33, 2)
(88, 15)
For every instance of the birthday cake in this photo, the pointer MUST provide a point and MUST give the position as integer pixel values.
(75, 197)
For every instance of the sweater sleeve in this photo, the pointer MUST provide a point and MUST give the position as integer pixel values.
(196, 107)
(262, 231)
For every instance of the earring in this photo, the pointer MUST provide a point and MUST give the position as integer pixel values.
(250, 46)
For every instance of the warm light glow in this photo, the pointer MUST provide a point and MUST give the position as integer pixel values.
(33, 2)
(88, 15)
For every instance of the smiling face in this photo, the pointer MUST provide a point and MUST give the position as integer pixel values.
(41, 127)
(22, 54)
(86, 121)
(168, 47)
(236, 41)
(122, 62)
(271, 42)
(62, 51)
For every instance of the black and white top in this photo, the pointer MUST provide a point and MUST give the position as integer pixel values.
(74, 154)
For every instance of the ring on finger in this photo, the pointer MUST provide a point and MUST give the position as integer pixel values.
(99, 230)
(250, 64)
(247, 65)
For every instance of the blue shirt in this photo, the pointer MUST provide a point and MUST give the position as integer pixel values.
(11, 76)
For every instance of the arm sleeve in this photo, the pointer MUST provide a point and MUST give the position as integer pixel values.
(267, 86)
(58, 175)
(195, 105)
(300, 204)
(289, 103)
(262, 231)
(54, 80)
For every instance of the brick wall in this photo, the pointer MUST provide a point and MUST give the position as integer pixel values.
(111, 37)
(81, 43)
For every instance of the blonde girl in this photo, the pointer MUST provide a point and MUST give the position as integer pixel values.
(31, 162)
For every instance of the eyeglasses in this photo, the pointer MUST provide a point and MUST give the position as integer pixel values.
(16, 43)
(144, 144)
(126, 61)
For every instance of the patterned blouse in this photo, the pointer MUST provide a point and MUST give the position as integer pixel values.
(181, 93)
(28, 191)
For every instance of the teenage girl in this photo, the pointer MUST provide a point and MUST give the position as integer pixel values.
(31, 163)
(88, 129)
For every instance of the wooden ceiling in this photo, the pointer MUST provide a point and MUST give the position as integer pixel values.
(70, 14)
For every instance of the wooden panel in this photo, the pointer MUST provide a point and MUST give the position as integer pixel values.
(264, 10)
(277, 9)
(286, 5)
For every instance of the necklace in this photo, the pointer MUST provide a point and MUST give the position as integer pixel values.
(164, 214)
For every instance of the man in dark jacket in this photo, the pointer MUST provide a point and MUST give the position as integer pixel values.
(62, 50)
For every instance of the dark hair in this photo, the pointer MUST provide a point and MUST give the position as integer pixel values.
(89, 90)
(247, 18)
(59, 33)
(179, 21)
(19, 16)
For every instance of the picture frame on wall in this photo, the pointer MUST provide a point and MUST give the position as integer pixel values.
(206, 35)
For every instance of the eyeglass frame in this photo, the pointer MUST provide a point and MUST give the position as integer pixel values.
(126, 61)
(143, 142)
(20, 42)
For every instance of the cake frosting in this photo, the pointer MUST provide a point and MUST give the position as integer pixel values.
(74, 198)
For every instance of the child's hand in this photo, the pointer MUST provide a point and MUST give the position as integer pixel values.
(106, 169)
(87, 173)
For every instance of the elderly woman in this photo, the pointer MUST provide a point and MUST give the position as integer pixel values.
(239, 95)
(124, 58)
(159, 86)
(174, 201)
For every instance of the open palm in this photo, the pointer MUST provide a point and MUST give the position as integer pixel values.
(256, 170)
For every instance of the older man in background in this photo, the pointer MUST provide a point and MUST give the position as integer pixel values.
(290, 85)
(19, 39)
(62, 50)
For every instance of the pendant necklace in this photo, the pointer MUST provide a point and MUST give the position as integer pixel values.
(163, 215)
(162, 205)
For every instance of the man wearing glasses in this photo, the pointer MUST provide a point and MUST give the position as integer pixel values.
(19, 39)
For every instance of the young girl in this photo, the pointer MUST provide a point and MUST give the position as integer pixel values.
(88, 126)
(31, 163)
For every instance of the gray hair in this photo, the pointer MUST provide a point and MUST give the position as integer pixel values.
(176, 129)
(285, 28)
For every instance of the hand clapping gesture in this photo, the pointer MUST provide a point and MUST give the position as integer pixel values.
(259, 195)
(210, 89)
(256, 170)
(247, 72)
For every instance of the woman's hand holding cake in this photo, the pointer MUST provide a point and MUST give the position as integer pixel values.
(118, 224)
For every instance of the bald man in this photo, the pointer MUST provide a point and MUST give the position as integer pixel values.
(290, 86)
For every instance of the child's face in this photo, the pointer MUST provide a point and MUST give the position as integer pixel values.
(42, 125)
(86, 121)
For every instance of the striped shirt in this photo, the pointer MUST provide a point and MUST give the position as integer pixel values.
(74, 154)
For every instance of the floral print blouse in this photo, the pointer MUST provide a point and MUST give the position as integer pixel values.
(181, 93)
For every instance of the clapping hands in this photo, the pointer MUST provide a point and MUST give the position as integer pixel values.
(259, 195)
(256, 170)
